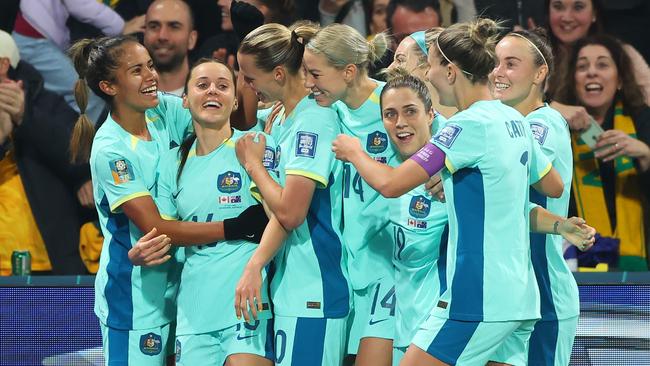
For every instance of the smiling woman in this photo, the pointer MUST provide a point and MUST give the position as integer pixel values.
(604, 83)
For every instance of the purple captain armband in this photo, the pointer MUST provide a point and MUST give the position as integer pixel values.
(430, 157)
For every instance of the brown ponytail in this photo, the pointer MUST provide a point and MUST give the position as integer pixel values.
(84, 130)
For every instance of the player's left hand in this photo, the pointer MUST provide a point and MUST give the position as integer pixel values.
(85, 195)
(576, 231)
(614, 143)
(434, 187)
(248, 295)
(345, 147)
(250, 152)
(12, 100)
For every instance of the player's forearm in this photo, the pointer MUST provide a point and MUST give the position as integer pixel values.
(270, 190)
(187, 233)
(543, 221)
(272, 240)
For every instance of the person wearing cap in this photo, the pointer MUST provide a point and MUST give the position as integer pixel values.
(40, 190)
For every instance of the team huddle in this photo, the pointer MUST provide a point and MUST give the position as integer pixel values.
(356, 220)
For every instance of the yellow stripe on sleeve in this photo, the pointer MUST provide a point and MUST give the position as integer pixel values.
(322, 182)
(119, 202)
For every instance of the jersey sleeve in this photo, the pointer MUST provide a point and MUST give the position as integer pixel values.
(167, 187)
(119, 177)
(177, 118)
(311, 154)
(540, 165)
(270, 161)
(545, 135)
(462, 142)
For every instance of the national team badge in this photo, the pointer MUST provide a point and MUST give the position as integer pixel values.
(419, 207)
(306, 144)
(377, 142)
(150, 344)
(269, 158)
(540, 131)
(447, 135)
(122, 171)
(229, 182)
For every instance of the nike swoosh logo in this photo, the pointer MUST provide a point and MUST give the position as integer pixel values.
(372, 322)
(239, 338)
(250, 236)
(152, 187)
(177, 193)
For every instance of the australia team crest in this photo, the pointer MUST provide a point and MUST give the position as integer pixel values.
(150, 344)
(229, 182)
(377, 142)
(419, 207)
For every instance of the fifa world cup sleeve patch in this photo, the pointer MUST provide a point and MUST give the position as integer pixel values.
(540, 131)
(269, 158)
(121, 170)
(447, 135)
(306, 143)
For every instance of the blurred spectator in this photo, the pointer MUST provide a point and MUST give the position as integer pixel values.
(610, 183)
(42, 37)
(627, 20)
(569, 21)
(409, 16)
(40, 191)
(350, 12)
(375, 16)
(8, 15)
(169, 36)
(465, 10)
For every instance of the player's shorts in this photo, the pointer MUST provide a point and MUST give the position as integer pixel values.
(373, 313)
(137, 347)
(514, 350)
(309, 341)
(552, 342)
(458, 342)
(398, 355)
(213, 348)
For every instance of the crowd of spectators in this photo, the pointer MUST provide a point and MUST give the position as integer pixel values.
(46, 203)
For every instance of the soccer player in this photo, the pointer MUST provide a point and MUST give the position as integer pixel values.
(310, 290)
(203, 181)
(487, 155)
(135, 304)
(525, 62)
(336, 67)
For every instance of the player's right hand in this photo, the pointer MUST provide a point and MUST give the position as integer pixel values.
(248, 294)
(435, 189)
(150, 250)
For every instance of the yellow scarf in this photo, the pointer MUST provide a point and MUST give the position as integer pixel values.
(590, 198)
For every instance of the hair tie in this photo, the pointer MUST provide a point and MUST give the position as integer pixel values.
(296, 38)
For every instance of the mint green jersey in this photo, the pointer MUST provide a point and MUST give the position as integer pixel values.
(557, 286)
(311, 275)
(366, 232)
(124, 167)
(489, 157)
(420, 234)
(212, 187)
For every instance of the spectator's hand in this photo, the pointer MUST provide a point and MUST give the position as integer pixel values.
(248, 293)
(222, 55)
(576, 231)
(12, 100)
(345, 147)
(435, 189)
(277, 107)
(244, 17)
(5, 127)
(85, 195)
(150, 250)
(576, 116)
(135, 25)
(614, 143)
(332, 6)
(250, 153)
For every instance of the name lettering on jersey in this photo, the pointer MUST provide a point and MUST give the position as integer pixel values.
(540, 131)
(418, 224)
(447, 135)
(313, 304)
(377, 142)
(229, 182)
(269, 158)
(122, 171)
(150, 344)
(225, 200)
(515, 129)
(306, 143)
(419, 207)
